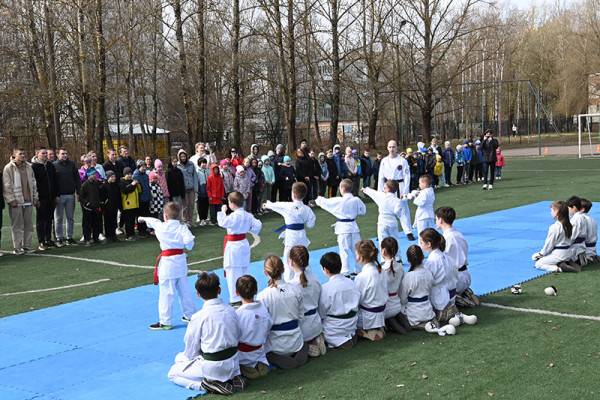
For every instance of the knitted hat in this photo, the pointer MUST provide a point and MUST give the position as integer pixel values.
(157, 163)
(127, 171)
(109, 174)
(90, 171)
(153, 176)
(239, 168)
(286, 159)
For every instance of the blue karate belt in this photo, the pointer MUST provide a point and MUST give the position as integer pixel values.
(452, 293)
(346, 220)
(286, 326)
(417, 299)
(561, 247)
(292, 227)
(310, 312)
(579, 240)
(377, 309)
(592, 244)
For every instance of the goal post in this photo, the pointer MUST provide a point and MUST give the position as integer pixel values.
(586, 119)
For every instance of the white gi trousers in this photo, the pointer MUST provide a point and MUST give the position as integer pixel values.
(167, 290)
(346, 244)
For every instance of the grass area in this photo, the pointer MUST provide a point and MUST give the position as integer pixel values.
(507, 355)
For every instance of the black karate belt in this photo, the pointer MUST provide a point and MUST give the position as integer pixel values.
(452, 293)
(220, 355)
(377, 309)
(310, 312)
(348, 315)
(463, 268)
(398, 181)
(579, 240)
(561, 247)
(346, 220)
(592, 244)
(417, 299)
(285, 326)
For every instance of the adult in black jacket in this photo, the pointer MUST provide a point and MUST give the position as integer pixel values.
(175, 182)
(125, 159)
(89, 197)
(68, 183)
(277, 162)
(489, 146)
(334, 175)
(313, 190)
(45, 179)
(110, 198)
(304, 171)
(113, 164)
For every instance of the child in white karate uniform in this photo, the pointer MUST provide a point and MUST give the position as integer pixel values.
(236, 251)
(456, 252)
(423, 199)
(556, 254)
(297, 217)
(286, 348)
(416, 289)
(210, 359)
(255, 325)
(371, 282)
(338, 305)
(171, 268)
(310, 325)
(395, 320)
(592, 231)
(444, 275)
(346, 209)
(390, 207)
(578, 248)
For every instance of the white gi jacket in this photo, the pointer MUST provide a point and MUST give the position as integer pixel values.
(212, 329)
(372, 286)
(397, 169)
(310, 325)
(592, 235)
(295, 212)
(456, 252)
(344, 207)
(389, 206)
(414, 295)
(284, 303)
(443, 279)
(237, 254)
(255, 325)
(424, 202)
(339, 297)
(579, 235)
(394, 280)
(556, 238)
(171, 234)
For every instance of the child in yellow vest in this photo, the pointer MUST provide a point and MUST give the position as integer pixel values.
(438, 172)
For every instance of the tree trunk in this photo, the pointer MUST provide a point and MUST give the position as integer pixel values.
(293, 86)
(235, 75)
(101, 100)
(86, 107)
(129, 84)
(335, 58)
(201, 101)
(55, 129)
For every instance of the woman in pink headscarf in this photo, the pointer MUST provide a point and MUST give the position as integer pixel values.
(162, 180)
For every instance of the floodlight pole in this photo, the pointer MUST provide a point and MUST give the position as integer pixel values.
(539, 121)
(579, 135)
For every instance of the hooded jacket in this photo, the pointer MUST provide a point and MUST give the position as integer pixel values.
(190, 177)
(175, 182)
(215, 187)
(144, 181)
(12, 183)
(162, 179)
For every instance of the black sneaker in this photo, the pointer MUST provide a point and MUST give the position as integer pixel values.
(239, 383)
(88, 243)
(217, 387)
(236, 304)
(411, 237)
(50, 243)
(71, 242)
(42, 247)
(160, 327)
(186, 319)
(60, 243)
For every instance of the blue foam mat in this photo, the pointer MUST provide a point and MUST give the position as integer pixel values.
(101, 347)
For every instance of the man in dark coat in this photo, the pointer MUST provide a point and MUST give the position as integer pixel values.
(489, 145)
(45, 176)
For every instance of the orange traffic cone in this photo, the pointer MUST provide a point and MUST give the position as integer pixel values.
(546, 151)
(598, 148)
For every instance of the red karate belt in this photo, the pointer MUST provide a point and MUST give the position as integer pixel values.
(232, 238)
(164, 253)
(248, 348)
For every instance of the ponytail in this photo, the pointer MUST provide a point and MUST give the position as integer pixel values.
(299, 257)
(434, 238)
(390, 245)
(274, 269)
(562, 216)
(367, 252)
(415, 257)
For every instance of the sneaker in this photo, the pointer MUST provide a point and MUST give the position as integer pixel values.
(19, 252)
(217, 387)
(88, 243)
(60, 243)
(130, 238)
(446, 185)
(82, 240)
(236, 304)
(27, 250)
(42, 247)
(485, 187)
(411, 237)
(160, 327)
(50, 243)
(101, 237)
(321, 343)
(250, 372)
(471, 296)
(313, 349)
(490, 187)
(202, 223)
(186, 319)
(263, 369)
(119, 231)
(71, 242)
(239, 383)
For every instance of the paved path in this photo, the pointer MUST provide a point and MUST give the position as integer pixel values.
(549, 150)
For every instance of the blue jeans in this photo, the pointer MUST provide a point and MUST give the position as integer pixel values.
(65, 205)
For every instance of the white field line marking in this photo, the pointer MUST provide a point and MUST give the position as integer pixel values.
(56, 288)
(542, 312)
(545, 170)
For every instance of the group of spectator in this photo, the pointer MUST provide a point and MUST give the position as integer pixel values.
(112, 195)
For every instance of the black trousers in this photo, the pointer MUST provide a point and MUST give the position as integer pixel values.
(90, 224)
(491, 168)
(128, 218)
(203, 208)
(460, 169)
(110, 223)
(214, 209)
(274, 190)
(43, 221)
(143, 211)
(448, 174)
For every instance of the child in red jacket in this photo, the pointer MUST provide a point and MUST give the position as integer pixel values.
(499, 163)
(216, 192)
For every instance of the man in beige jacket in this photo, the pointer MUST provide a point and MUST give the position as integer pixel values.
(20, 194)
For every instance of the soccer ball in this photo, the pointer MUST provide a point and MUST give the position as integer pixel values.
(516, 289)
(551, 291)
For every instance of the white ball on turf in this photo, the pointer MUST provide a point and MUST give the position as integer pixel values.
(551, 291)
(469, 319)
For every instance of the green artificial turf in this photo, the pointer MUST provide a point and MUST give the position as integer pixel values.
(507, 355)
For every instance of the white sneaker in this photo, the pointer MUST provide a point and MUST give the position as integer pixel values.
(485, 187)
(446, 185)
(490, 187)
(101, 237)
(202, 223)
(119, 231)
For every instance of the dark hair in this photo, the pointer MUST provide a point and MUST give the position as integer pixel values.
(586, 205)
(207, 285)
(236, 198)
(274, 268)
(434, 238)
(246, 287)
(299, 190)
(299, 256)
(415, 256)
(446, 214)
(574, 201)
(367, 251)
(392, 186)
(426, 178)
(202, 161)
(331, 262)
(562, 216)
(390, 245)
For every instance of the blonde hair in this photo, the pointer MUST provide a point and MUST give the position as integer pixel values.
(346, 185)
(366, 251)
(299, 257)
(274, 269)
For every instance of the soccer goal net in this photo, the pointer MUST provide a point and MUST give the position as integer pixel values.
(584, 133)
